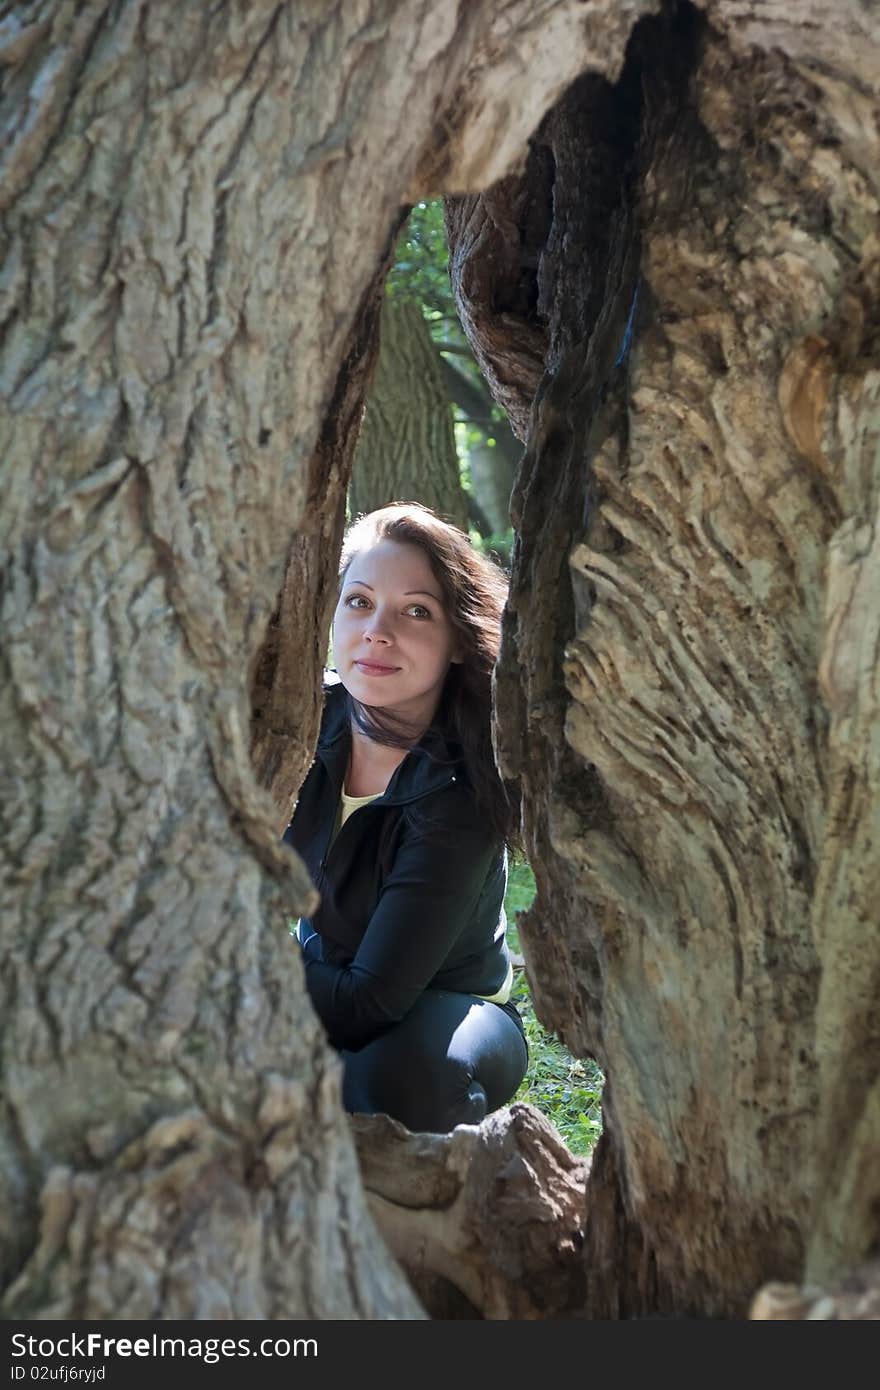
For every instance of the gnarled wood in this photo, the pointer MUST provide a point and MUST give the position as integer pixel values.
(687, 691)
(496, 1209)
(195, 200)
(495, 239)
(854, 1299)
(285, 688)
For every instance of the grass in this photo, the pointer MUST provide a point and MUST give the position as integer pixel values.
(568, 1090)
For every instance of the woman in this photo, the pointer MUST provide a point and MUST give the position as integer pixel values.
(404, 824)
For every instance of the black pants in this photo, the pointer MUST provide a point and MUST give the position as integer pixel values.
(451, 1061)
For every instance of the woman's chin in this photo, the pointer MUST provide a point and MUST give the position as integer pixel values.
(369, 692)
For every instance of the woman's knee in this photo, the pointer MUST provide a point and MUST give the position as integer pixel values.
(450, 1062)
(422, 1084)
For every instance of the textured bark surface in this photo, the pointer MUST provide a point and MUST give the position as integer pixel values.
(688, 686)
(495, 239)
(406, 450)
(854, 1299)
(285, 694)
(496, 1210)
(180, 284)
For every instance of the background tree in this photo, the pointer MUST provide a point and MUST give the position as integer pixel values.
(406, 449)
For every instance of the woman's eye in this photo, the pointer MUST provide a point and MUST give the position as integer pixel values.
(356, 601)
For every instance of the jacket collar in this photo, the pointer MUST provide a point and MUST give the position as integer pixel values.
(430, 766)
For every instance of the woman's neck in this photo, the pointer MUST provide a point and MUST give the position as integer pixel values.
(371, 765)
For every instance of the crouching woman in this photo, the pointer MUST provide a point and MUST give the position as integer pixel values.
(404, 824)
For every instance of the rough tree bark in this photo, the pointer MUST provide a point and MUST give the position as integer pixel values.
(854, 1298)
(406, 450)
(285, 715)
(494, 1211)
(181, 277)
(688, 689)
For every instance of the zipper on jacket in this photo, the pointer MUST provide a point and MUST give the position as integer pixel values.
(331, 842)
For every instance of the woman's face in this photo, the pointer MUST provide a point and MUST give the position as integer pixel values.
(392, 639)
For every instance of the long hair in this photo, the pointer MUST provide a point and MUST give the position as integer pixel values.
(474, 590)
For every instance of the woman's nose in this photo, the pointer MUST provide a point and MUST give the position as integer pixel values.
(378, 629)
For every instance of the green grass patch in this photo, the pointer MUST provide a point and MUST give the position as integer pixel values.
(568, 1090)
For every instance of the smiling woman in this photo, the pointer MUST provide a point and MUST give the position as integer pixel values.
(391, 625)
(404, 824)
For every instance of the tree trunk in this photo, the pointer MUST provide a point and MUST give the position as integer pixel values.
(856, 1298)
(494, 1211)
(196, 200)
(285, 711)
(492, 469)
(688, 688)
(406, 451)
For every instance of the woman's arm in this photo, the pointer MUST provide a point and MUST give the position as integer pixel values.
(428, 898)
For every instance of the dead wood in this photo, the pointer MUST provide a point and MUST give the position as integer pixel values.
(495, 1210)
(853, 1299)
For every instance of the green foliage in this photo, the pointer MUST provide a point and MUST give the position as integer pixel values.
(564, 1088)
(498, 545)
(421, 273)
(420, 268)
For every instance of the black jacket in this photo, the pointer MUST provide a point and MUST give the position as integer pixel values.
(412, 887)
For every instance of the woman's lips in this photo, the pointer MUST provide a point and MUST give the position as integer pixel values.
(371, 669)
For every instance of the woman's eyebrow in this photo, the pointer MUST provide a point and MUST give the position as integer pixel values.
(407, 592)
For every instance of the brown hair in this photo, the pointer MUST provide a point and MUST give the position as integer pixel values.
(474, 589)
